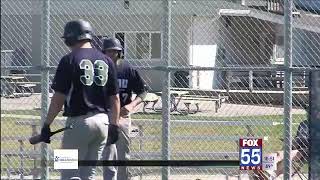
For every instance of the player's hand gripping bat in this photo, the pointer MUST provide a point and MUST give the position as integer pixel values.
(38, 138)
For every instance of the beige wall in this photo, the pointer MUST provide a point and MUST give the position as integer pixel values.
(180, 40)
(29, 36)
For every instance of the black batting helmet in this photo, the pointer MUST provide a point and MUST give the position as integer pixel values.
(112, 43)
(77, 30)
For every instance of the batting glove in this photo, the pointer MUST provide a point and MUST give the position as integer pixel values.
(46, 134)
(113, 134)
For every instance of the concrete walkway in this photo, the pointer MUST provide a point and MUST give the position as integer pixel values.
(207, 108)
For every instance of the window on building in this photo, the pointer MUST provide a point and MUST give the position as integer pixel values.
(280, 47)
(140, 45)
(278, 50)
(155, 45)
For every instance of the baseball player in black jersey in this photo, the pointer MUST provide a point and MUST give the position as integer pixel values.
(129, 82)
(86, 84)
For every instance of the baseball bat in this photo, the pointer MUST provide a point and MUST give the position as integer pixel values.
(37, 138)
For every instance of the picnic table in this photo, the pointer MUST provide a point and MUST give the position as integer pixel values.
(10, 84)
(150, 98)
(187, 98)
(12, 78)
(175, 98)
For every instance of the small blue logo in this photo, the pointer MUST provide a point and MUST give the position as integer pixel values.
(56, 158)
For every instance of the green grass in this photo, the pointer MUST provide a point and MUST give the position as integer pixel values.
(275, 118)
(274, 133)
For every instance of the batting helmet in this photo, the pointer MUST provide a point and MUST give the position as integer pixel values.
(112, 43)
(77, 30)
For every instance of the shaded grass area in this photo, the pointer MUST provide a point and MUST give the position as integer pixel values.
(274, 133)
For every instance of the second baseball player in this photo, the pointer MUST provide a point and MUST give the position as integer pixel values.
(129, 82)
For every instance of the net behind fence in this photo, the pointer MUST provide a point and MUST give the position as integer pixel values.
(241, 96)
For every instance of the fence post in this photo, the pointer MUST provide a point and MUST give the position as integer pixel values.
(288, 88)
(166, 28)
(45, 58)
(314, 120)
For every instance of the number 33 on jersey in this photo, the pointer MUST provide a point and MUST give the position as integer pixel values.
(96, 72)
(250, 153)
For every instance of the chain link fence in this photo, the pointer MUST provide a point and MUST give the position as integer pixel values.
(226, 64)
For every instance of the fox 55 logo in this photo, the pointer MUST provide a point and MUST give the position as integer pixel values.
(250, 154)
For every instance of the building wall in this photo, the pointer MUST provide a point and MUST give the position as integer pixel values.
(245, 42)
(240, 40)
(250, 42)
(204, 34)
(16, 34)
(306, 51)
(180, 40)
(21, 33)
(103, 26)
